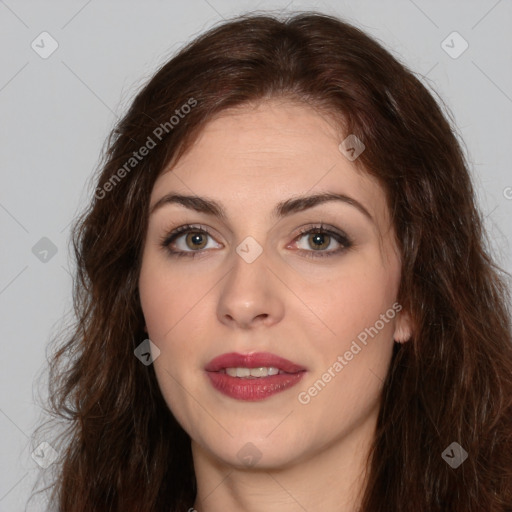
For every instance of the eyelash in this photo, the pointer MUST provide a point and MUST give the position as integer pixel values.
(341, 238)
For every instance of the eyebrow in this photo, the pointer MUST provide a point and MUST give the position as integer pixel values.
(282, 209)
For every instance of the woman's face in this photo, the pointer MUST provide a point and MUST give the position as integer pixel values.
(254, 281)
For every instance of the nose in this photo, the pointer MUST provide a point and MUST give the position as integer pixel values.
(251, 295)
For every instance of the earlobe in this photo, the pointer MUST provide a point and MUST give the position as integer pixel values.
(403, 327)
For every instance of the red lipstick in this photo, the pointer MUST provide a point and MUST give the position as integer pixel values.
(252, 387)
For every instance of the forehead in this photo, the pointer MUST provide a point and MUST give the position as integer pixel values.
(252, 157)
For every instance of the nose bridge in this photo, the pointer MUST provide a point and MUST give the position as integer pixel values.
(249, 292)
(246, 281)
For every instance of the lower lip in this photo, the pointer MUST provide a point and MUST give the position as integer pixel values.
(258, 388)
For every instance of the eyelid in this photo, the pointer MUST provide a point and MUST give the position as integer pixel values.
(172, 234)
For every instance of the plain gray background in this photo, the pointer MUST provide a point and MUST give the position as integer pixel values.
(57, 111)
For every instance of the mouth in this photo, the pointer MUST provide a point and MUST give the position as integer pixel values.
(253, 376)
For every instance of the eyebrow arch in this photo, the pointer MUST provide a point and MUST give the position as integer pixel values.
(282, 209)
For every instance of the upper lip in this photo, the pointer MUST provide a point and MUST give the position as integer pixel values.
(254, 360)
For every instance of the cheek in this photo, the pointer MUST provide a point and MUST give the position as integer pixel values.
(358, 317)
(157, 303)
(177, 308)
(166, 297)
(353, 299)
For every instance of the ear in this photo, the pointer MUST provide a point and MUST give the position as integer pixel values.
(403, 327)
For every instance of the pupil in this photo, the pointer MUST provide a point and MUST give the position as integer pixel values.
(196, 238)
(318, 239)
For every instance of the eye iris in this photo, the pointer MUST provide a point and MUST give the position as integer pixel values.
(195, 237)
(317, 238)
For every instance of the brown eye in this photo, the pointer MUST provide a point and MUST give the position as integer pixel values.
(187, 241)
(319, 239)
(196, 240)
(191, 240)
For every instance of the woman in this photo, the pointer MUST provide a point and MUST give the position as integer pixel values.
(284, 299)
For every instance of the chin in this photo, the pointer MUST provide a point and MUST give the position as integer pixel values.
(253, 456)
(257, 452)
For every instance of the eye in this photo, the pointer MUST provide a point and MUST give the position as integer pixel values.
(188, 239)
(320, 238)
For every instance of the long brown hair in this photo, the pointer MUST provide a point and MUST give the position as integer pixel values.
(452, 382)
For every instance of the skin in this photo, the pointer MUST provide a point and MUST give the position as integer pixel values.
(308, 310)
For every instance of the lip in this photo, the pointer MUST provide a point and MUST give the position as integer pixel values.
(255, 388)
(254, 360)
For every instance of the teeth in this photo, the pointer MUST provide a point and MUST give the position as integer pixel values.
(252, 372)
